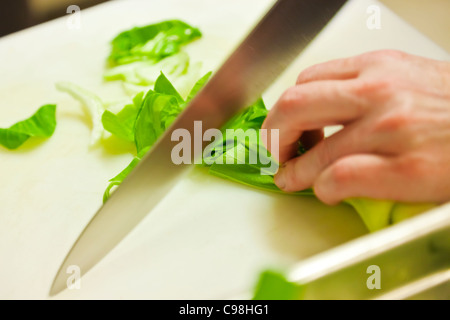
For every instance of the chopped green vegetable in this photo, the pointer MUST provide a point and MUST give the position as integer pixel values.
(198, 86)
(92, 104)
(273, 285)
(117, 180)
(240, 149)
(153, 42)
(122, 123)
(164, 86)
(146, 120)
(158, 111)
(128, 73)
(145, 73)
(402, 211)
(42, 124)
(173, 66)
(376, 214)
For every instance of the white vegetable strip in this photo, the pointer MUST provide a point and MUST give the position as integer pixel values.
(93, 105)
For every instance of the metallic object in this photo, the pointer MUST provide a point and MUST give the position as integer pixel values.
(410, 260)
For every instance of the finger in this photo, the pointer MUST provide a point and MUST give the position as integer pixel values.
(340, 69)
(308, 140)
(362, 175)
(352, 67)
(309, 107)
(300, 173)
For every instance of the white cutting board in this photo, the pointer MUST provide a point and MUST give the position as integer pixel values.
(208, 238)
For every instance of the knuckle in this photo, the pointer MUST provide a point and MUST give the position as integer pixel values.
(309, 73)
(323, 190)
(381, 56)
(376, 87)
(340, 173)
(294, 180)
(401, 118)
(390, 54)
(393, 121)
(304, 75)
(289, 101)
(414, 167)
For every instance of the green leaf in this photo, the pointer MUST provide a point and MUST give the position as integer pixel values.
(42, 124)
(198, 86)
(152, 42)
(117, 180)
(250, 118)
(145, 73)
(173, 66)
(403, 211)
(235, 154)
(122, 123)
(145, 121)
(128, 73)
(273, 285)
(156, 115)
(376, 214)
(163, 85)
(239, 169)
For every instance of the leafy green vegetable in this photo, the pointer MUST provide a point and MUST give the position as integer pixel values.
(145, 73)
(173, 66)
(158, 111)
(146, 119)
(250, 118)
(273, 285)
(164, 86)
(153, 42)
(403, 211)
(117, 180)
(376, 214)
(92, 104)
(122, 124)
(240, 150)
(198, 86)
(128, 73)
(42, 124)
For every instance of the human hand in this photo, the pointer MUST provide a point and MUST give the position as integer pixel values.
(395, 143)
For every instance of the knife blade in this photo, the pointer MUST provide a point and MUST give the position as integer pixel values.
(287, 28)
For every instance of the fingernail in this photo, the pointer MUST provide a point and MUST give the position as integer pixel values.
(280, 179)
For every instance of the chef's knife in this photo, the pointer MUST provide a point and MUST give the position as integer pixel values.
(288, 27)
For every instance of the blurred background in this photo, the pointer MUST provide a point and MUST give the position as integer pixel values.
(16, 15)
(431, 17)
